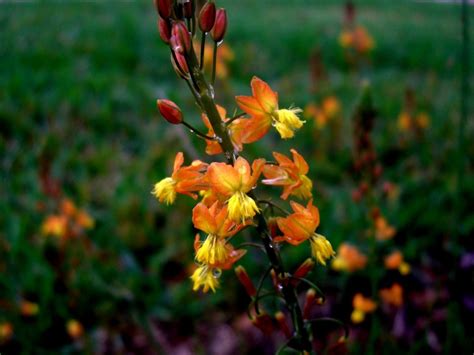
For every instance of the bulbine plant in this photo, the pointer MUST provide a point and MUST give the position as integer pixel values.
(228, 193)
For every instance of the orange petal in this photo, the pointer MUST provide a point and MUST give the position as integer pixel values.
(223, 178)
(203, 220)
(267, 98)
(257, 167)
(302, 165)
(250, 105)
(178, 161)
(256, 128)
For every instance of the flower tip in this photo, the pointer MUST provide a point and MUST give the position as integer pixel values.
(170, 111)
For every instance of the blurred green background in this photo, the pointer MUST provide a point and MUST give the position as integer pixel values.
(78, 86)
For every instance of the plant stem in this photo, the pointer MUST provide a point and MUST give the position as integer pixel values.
(198, 133)
(214, 60)
(203, 43)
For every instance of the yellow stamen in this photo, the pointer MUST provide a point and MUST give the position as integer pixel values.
(165, 191)
(287, 122)
(321, 248)
(241, 207)
(205, 277)
(304, 190)
(212, 251)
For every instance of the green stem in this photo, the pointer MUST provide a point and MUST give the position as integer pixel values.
(203, 46)
(214, 60)
(198, 133)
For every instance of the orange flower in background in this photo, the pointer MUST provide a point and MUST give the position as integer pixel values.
(290, 174)
(392, 295)
(234, 182)
(383, 231)
(404, 121)
(300, 226)
(395, 261)
(6, 331)
(55, 225)
(74, 328)
(214, 250)
(225, 55)
(236, 129)
(262, 106)
(331, 106)
(358, 39)
(349, 258)
(28, 309)
(184, 180)
(422, 120)
(362, 306)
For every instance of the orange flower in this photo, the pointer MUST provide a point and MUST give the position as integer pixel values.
(6, 331)
(383, 231)
(301, 226)
(289, 174)
(234, 182)
(395, 261)
(225, 55)
(184, 180)
(331, 106)
(236, 131)
(74, 328)
(404, 122)
(28, 309)
(349, 258)
(214, 250)
(362, 306)
(392, 295)
(262, 106)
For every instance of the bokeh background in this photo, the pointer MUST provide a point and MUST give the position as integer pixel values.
(90, 262)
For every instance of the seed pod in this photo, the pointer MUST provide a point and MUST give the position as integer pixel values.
(220, 25)
(207, 17)
(170, 111)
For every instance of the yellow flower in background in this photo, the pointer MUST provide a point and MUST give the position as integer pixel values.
(422, 120)
(362, 306)
(28, 309)
(6, 331)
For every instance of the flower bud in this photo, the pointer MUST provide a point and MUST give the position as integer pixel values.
(281, 319)
(179, 65)
(182, 39)
(245, 281)
(164, 7)
(164, 30)
(207, 16)
(188, 8)
(264, 322)
(308, 303)
(220, 25)
(170, 111)
(304, 268)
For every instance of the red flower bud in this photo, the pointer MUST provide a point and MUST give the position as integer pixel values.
(245, 280)
(182, 39)
(164, 7)
(179, 64)
(304, 268)
(281, 319)
(220, 25)
(308, 303)
(164, 30)
(170, 111)
(207, 16)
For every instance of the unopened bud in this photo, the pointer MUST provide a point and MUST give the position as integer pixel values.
(304, 268)
(182, 39)
(245, 281)
(179, 64)
(164, 7)
(308, 303)
(170, 111)
(164, 30)
(220, 25)
(207, 16)
(281, 319)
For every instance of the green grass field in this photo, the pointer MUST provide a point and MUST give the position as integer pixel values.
(78, 87)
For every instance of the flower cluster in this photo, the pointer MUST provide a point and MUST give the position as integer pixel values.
(228, 191)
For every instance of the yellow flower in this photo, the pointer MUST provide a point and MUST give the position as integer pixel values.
(205, 277)
(74, 328)
(287, 122)
(55, 225)
(165, 190)
(362, 306)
